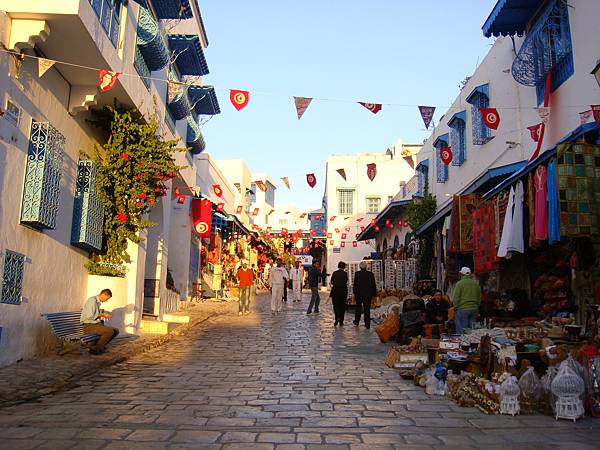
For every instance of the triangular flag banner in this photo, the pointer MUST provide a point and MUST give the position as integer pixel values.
(584, 116)
(332, 218)
(43, 66)
(535, 131)
(410, 161)
(373, 107)
(255, 212)
(217, 190)
(303, 215)
(239, 99)
(544, 113)
(107, 79)
(596, 111)
(311, 179)
(490, 117)
(342, 173)
(271, 212)
(446, 155)
(427, 114)
(239, 209)
(261, 185)
(173, 87)
(371, 171)
(301, 105)
(286, 181)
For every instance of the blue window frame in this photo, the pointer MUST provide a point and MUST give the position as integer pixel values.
(88, 212)
(479, 98)
(441, 168)
(458, 138)
(12, 278)
(252, 193)
(423, 178)
(548, 45)
(41, 190)
(109, 14)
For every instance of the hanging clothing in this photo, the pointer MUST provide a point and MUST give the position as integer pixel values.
(553, 212)
(541, 203)
(532, 242)
(507, 227)
(516, 243)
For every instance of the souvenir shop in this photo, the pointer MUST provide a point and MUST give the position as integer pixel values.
(533, 242)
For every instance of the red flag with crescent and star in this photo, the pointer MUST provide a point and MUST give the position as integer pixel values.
(542, 126)
(371, 171)
(217, 190)
(446, 155)
(373, 107)
(490, 117)
(107, 79)
(202, 216)
(311, 179)
(535, 131)
(239, 99)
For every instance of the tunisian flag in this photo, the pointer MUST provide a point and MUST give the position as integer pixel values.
(202, 216)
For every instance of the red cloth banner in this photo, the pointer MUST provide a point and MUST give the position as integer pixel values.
(342, 244)
(446, 155)
(344, 235)
(490, 117)
(284, 231)
(301, 105)
(311, 179)
(107, 79)
(543, 126)
(239, 99)
(373, 107)
(389, 223)
(313, 233)
(302, 216)
(220, 207)
(318, 217)
(239, 209)
(202, 216)
(261, 185)
(342, 173)
(217, 190)
(535, 131)
(371, 171)
(332, 218)
(331, 242)
(354, 244)
(596, 112)
(255, 211)
(426, 114)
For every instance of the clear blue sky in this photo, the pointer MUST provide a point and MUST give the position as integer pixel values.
(385, 51)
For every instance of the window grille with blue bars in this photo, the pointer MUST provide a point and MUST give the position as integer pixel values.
(43, 172)
(479, 98)
(252, 193)
(13, 268)
(88, 211)
(547, 47)
(109, 14)
(423, 178)
(441, 168)
(458, 138)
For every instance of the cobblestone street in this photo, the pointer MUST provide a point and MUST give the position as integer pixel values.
(288, 382)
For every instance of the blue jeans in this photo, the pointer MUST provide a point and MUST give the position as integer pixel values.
(244, 295)
(464, 319)
(314, 299)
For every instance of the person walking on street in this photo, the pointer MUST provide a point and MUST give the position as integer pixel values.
(324, 276)
(277, 278)
(314, 275)
(364, 290)
(339, 293)
(466, 299)
(245, 277)
(92, 319)
(285, 286)
(297, 275)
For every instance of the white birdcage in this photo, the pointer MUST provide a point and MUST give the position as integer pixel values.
(509, 396)
(568, 387)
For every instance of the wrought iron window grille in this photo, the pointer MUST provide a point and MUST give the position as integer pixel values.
(458, 138)
(88, 211)
(479, 98)
(13, 267)
(440, 168)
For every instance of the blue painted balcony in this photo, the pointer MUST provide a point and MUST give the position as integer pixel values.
(42, 177)
(194, 140)
(190, 58)
(204, 100)
(151, 41)
(180, 106)
(88, 211)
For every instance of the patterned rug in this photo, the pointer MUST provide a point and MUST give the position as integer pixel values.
(484, 238)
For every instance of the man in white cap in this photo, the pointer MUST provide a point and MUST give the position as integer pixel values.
(297, 275)
(277, 279)
(466, 299)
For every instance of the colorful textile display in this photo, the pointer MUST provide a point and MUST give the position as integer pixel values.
(553, 209)
(517, 243)
(461, 237)
(501, 205)
(541, 210)
(484, 238)
(532, 242)
(578, 169)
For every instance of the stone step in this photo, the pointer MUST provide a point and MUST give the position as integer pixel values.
(174, 318)
(157, 327)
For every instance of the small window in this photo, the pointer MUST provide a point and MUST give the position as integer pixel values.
(479, 98)
(12, 278)
(373, 205)
(345, 201)
(440, 167)
(13, 113)
(458, 139)
(252, 193)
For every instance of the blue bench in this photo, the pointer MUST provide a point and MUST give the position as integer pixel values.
(66, 327)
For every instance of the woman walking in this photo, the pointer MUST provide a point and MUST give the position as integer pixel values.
(339, 293)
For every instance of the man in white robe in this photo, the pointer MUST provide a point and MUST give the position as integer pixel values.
(297, 276)
(278, 276)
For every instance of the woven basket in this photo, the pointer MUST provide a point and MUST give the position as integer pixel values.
(392, 357)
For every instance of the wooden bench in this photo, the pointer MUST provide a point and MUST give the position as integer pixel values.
(66, 327)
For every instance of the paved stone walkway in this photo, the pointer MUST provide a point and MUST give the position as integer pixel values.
(288, 382)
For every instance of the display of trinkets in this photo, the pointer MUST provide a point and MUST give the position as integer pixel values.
(509, 396)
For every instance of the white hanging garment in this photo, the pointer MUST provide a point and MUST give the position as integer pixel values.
(517, 242)
(507, 228)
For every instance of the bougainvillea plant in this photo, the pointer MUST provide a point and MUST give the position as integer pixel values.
(134, 166)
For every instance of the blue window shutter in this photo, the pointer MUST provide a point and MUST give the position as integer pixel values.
(88, 211)
(12, 278)
(479, 98)
(42, 176)
(441, 168)
(458, 140)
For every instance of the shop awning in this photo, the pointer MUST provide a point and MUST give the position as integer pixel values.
(190, 58)
(510, 17)
(204, 100)
(544, 157)
(491, 177)
(391, 211)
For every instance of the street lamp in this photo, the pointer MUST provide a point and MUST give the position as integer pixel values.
(596, 72)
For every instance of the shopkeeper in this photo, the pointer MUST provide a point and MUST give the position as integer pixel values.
(436, 310)
(466, 298)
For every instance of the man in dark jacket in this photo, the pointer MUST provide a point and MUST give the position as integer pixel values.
(314, 275)
(364, 289)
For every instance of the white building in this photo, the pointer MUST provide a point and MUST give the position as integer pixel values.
(352, 203)
(262, 200)
(42, 264)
